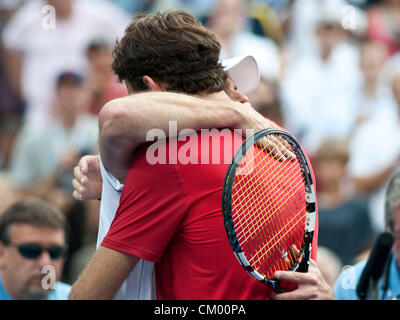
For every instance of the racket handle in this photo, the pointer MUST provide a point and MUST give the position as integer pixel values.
(275, 285)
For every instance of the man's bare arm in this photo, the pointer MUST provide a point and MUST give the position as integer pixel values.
(103, 275)
(125, 122)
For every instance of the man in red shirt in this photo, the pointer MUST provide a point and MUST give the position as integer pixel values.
(170, 209)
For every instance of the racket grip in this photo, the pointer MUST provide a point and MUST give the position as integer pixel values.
(275, 285)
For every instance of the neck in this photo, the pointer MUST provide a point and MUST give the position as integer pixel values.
(370, 88)
(325, 54)
(68, 122)
(331, 197)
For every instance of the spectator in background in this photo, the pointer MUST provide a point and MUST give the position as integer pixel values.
(375, 153)
(389, 285)
(199, 8)
(37, 50)
(329, 264)
(302, 18)
(269, 18)
(370, 94)
(8, 194)
(32, 236)
(42, 162)
(51, 152)
(389, 70)
(318, 86)
(266, 96)
(10, 124)
(384, 24)
(135, 6)
(229, 21)
(9, 101)
(265, 99)
(101, 83)
(341, 215)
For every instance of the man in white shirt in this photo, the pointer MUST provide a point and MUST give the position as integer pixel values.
(375, 152)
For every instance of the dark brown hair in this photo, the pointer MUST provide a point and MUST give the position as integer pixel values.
(30, 211)
(170, 47)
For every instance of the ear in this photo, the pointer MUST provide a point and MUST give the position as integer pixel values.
(152, 84)
(237, 96)
(242, 98)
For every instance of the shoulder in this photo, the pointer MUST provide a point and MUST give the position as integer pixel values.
(3, 293)
(345, 286)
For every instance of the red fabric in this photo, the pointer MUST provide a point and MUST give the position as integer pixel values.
(378, 31)
(171, 214)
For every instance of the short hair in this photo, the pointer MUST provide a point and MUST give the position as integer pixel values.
(392, 199)
(171, 47)
(69, 78)
(96, 45)
(333, 149)
(32, 211)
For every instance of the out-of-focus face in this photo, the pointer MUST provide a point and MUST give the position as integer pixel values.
(70, 100)
(63, 7)
(101, 61)
(329, 35)
(226, 18)
(329, 172)
(22, 277)
(373, 57)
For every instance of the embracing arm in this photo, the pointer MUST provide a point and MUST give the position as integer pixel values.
(125, 122)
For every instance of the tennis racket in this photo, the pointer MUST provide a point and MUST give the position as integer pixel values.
(268, 206)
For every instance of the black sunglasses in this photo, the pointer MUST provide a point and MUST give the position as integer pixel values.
(33, 251)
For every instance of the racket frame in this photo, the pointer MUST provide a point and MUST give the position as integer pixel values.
(303, 262)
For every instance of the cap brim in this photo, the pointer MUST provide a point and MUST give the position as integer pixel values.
(244, 71)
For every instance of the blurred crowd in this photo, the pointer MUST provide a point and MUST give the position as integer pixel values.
(330, 74)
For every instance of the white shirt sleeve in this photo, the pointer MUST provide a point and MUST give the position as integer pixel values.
(110, 178)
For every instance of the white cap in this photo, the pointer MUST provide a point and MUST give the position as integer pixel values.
(331, 11)
(244, 72)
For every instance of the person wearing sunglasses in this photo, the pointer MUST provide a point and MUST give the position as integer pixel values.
(32, 250)
(388, 285)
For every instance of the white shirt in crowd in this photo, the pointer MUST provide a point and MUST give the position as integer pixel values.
(38, 152)
(49, 51)
(374, 146)
(318, 97)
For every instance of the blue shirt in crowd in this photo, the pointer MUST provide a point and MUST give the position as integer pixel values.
(60, 292)
(345, 286)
